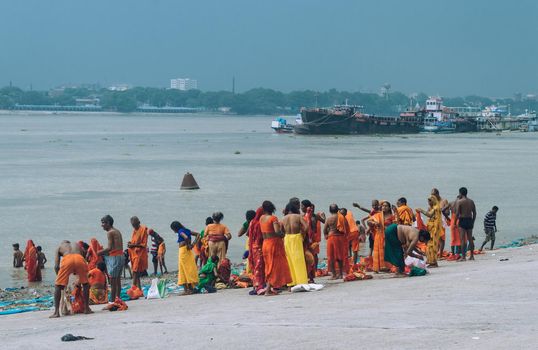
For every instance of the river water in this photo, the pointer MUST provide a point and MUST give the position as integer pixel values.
(59, 174)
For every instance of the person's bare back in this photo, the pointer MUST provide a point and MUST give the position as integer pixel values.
(331, 225)
(294, 223)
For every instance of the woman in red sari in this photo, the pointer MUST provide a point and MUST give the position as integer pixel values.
(31, 265)
(378, 222)
(255, 254)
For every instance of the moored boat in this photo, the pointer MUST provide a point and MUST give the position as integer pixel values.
(281, 126)
(346, 119)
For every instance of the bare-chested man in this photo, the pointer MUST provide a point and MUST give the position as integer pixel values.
(466, 215)
(72, 262)
(401, 241)
(336, 242)
(295, 229)
(113, 255)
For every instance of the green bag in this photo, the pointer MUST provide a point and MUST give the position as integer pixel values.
(161, 286)
(417, 271)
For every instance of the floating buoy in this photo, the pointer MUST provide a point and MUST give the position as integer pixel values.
(189, 183)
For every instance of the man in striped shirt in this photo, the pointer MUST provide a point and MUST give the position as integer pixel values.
(490, 227)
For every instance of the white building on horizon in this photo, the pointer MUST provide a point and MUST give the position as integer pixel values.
(184, 84)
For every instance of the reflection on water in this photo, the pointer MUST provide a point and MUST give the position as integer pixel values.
(61, 175)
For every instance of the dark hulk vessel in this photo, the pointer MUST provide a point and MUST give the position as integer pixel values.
(344, 119)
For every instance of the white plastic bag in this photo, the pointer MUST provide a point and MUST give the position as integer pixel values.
(153, 291)
(412, 261)
(306, 288)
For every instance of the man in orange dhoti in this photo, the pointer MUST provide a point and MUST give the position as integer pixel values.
(336, 235)
(138, 250)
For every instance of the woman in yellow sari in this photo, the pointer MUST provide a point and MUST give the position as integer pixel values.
(434, 225)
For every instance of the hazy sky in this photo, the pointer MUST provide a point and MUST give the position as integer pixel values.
(450, 47)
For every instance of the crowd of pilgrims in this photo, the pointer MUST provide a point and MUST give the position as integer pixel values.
(280, 253)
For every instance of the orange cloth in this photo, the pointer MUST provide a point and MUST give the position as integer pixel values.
(379, 240)
(139, 256)
(342, 225)
(161, 250)
(91, 256)
(353, 236)
(134, 293)
(115, 252)
(30, 260)
(421, 226)
(455, 239)
(405, 215)
(337, 248)
(96, 276)
(72, 264)
(267, 225)
(216, 232)
(77, 304)
(98, 291)
(277, 271)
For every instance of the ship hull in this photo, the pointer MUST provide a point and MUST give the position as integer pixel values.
(319, 123)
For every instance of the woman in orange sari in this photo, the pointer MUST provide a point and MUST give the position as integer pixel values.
(378, 222)
(277, 271)
(91, 256)
(30, 260)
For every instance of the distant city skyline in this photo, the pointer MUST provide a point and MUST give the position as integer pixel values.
(454, 48)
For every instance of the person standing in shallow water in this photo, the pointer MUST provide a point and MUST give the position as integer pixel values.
(466, 215)
(18, 256)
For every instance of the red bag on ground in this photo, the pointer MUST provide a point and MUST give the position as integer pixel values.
(77, 303)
